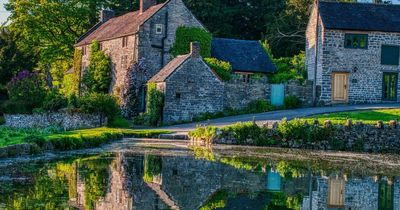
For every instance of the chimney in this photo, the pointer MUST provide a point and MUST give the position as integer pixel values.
(146, 4)
(106, 15)
(195, 49)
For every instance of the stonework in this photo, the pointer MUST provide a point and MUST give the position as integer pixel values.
(65, 120)
(191, 90)
(363, 65)
(147, 45)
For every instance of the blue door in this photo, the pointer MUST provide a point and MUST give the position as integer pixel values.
(277, 94)
(274, 181)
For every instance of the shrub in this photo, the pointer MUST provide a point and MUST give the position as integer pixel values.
(292, 102)
(208, 133)
(17, 107)
(35, 139)
(54, 101)
(99, 103)
(243, 131)
(289, 68)
(97, 78)
(222, 68)
(28, 89)
(258, 106)
(185, 35)
(155, 104)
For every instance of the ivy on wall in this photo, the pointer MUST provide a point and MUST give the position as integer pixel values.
(97, 78)
(186, 35)
(222, 68)
(155, 104)
(76, 78)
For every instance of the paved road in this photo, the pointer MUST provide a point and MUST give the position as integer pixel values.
(279, 115)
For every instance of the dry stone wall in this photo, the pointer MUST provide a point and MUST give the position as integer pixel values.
(65, 120)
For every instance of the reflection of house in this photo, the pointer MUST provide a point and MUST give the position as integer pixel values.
(355, 194)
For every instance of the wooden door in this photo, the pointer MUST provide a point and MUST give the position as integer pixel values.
(336, 192)
(340, 87)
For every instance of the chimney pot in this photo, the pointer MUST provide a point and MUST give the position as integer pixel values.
(195, 49)
(106, 15)
(146, 4)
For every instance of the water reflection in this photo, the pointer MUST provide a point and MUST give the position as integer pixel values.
(203, 179)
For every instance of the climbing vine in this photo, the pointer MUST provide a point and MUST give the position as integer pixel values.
(76, 79)
(185, 35)
(155, 104)
(98, 76)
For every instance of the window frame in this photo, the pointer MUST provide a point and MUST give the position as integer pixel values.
(398, 55)
(347, 35)
(159, 27)
(124, 41)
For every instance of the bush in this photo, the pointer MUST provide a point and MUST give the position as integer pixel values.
(26, 89)
(299, 130)
(258, 106)
(244, 131)
(54, 101)
(17, 107)
(155, 104)
(289, 69)
(222, 68)
(185, 35)
(292, 102)
(208, 133)
(99, 103)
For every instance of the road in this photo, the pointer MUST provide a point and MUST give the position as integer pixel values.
(273, 116)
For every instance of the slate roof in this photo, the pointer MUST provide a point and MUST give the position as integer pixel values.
(243, 55)
(360, 16)
(165, 72)
(120, 26)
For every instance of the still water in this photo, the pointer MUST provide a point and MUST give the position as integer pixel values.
(163, 176)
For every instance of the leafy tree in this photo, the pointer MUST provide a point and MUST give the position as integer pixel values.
(97, 78)
(12, 58)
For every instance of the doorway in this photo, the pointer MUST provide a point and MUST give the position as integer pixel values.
(389, 89)
(340, 87)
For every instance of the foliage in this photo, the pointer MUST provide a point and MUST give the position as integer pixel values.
(289, 68)
(17, 107)
(298, 129)
(208, 133)
(244, 131)
(155, 105)
(72, 82)
(97, 78)
(68, 85)
(222, 68)
(77, 139)
(292, 102)
(186, 35)
(54, 101)
(216, 201)
(99, 103)
(203, 153)
(12, 58)
(28, 88)
(152, 167)
(120, 122)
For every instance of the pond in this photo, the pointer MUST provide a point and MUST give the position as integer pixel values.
(177, 176)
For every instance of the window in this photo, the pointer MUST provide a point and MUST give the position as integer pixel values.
(124, 61)
(159, 28)
(246, 78)
(357, 41)
(390, 55)
(124, 41)
(101, 46)
(178, 95)
(84, 50)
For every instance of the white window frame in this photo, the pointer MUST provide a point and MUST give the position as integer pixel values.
(159, 28)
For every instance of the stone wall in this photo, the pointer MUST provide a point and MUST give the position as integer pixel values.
(239, 94)
(365, 83)
(302, 91)
(65, 120)
(359, 137)
(191, 90)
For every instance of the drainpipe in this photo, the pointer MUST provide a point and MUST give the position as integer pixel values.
(316, 56)
(163, 39)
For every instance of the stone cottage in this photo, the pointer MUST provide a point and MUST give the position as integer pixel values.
(190, 87)
(352, 52)
(147, 34)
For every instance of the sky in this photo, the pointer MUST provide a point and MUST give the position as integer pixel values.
(3, 13)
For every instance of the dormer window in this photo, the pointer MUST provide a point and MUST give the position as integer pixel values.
(356, 41)
(159, 28)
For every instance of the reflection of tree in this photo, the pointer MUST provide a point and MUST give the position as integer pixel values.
(152, 167)
(288, 170)
(203, 153)
(280, 201)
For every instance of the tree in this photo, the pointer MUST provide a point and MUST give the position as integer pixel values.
(12, 58)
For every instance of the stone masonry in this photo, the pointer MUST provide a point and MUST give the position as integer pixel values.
(363, 65)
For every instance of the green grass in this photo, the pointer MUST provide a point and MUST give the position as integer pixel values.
(367, 117)
(72, 139)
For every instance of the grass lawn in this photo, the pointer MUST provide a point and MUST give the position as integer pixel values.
(79, 137)
(368, 117)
